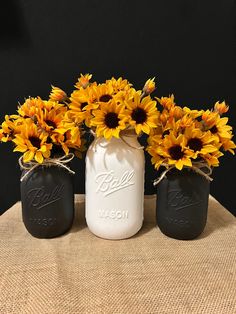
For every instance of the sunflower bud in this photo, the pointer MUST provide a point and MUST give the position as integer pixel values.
(221, 108)
(209, 118)
(167, 102)
(176, 112)
(57, 94)
(149, 86)
(83, 81)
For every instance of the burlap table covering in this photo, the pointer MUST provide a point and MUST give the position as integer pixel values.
(149, 273)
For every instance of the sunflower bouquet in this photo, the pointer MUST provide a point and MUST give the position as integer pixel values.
(112, 107)
(190, 138)
(40, 129)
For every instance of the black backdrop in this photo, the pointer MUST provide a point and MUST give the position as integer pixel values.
(188, 45)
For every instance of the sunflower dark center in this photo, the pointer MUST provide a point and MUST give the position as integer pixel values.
(51, 123)
(214, 129)
(11, 133)
(195, 144)
(35, 141)
(139, 115)
(111, 120)
(176, 152)
(105, 98)
(166, 132)
(83, 104)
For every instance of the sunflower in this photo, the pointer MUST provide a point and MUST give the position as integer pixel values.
(73, 140)
(32, 143)
(164, 117)
(54, 105)
(192, 113)
(57, 94)
(30, 107)
(157, 160)
(221, 129)
(83, 99)
(59, 126)
(82, 102)
(50, 121)
(167, 102)
(109, 120)
(68, 140)
(71, 125)
(155, 139)
(142, 113)
(175, 152)
(119, 84)
(124, 96)
(200, 143)
(33, 107)
(213, 158)
(9, 128)
(228, 145)
(185, 122)
(176, 113)
(104, 93)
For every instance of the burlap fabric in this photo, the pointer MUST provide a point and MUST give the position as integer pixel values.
(149, 273)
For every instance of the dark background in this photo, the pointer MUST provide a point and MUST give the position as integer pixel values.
(188, 45)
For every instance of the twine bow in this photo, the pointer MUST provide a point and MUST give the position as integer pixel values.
(60, 162)
(196, 166)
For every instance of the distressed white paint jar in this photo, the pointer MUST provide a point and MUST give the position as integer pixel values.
(114, 187)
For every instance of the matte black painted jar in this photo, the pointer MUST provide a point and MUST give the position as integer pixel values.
(182, 204)
(47, 201)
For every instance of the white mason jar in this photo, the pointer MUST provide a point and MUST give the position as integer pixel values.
(114, 187)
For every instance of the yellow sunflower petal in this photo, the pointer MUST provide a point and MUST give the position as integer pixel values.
(28, 156)
(138, 128)
(187, 162)
(46, 154)
(145, 128)
(179, 164)
(38, 157)
(20, 148)
(108, 134)
(65, 148)
(116, 133)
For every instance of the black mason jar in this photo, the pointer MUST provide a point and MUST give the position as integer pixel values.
(182, 204)
(47, 198)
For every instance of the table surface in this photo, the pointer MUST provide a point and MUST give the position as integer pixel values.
(148, 273)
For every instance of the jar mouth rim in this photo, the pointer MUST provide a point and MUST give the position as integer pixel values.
(128, 132)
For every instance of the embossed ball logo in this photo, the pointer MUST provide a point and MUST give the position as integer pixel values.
(179, 200)
(108, 183)
(41, 197)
